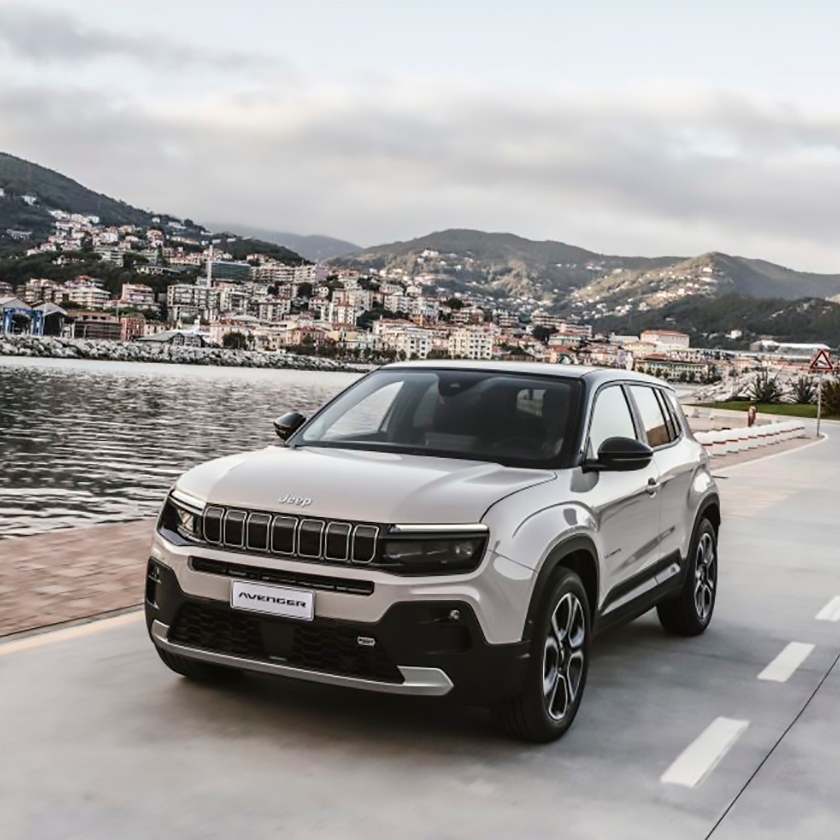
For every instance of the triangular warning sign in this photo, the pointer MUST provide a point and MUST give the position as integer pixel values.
(821, 363)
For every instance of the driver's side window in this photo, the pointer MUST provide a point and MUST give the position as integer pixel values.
(611, 417)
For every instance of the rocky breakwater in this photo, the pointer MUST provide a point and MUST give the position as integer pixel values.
(118, 351)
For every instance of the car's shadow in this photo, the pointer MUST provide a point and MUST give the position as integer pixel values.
(294, 711)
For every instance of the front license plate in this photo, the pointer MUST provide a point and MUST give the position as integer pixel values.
(274, 600)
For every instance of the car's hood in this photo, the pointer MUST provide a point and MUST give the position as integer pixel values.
(358, 486)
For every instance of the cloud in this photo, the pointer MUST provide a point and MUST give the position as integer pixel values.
(653, 172)
(57, 37)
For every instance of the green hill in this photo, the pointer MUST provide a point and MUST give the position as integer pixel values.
(54, 191)
(709, 321)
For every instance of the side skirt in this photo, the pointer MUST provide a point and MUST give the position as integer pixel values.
(642, 592)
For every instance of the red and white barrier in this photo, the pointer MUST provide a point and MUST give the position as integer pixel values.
(726, 441)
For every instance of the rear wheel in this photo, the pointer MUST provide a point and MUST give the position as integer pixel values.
(689, 613)
(546, 707)
(194, 670)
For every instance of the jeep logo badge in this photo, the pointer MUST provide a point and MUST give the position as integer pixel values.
(300, 501)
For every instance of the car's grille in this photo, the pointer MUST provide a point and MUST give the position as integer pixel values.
(290, 536)
(284, 578)
(328, 647)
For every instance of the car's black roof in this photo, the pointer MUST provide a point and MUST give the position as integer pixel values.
(593, 375)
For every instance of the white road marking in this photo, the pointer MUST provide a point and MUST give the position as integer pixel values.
(69, 633)
(831, 611)
(783, 666)
(701, 756)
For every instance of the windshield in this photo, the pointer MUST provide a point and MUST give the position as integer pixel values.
(480, 415)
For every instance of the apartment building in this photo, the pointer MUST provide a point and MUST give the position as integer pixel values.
(137, 294)
(187, 300)
(472, 343)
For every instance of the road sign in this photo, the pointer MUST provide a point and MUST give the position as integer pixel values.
(821, 363)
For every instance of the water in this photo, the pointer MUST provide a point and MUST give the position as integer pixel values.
(85, 442)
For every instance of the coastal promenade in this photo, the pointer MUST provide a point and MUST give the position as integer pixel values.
(728, 736)
(72, 574)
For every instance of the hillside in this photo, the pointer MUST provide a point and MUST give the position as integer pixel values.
(314, 248)
(712, 274)
(501, 263)
(54, 191)
(584, 282)
(710, 321)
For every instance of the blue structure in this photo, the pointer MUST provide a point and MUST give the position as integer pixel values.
(14, 313)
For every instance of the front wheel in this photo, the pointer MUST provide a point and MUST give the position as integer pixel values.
(546, 707)
(689, 613)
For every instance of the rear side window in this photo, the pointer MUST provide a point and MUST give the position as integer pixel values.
(656, 424)
(669, 400)
(611, 417)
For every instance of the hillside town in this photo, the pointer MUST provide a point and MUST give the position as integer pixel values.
(188, 289)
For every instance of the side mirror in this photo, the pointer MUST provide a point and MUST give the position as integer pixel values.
(287, 424)
(621, 454)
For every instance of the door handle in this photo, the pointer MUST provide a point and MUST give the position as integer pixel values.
(652, 486)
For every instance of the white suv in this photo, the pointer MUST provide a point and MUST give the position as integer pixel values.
(443, 527)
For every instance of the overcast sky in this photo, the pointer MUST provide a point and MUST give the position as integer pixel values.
(627, 127)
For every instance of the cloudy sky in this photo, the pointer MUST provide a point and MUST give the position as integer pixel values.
(625, 127)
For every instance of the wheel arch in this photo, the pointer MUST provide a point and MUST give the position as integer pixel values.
(580, 555)
(709, 509)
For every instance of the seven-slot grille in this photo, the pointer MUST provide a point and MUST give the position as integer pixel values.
(290, 536)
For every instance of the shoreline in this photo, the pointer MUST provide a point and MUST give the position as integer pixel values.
(49, 347)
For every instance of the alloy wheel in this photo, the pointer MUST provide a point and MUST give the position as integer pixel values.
(705, 577)
(563, 657)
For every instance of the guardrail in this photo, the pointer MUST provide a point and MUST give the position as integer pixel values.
(726, 441)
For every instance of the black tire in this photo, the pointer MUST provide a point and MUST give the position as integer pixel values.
(563, 657)
(689, 613)
(197, 671)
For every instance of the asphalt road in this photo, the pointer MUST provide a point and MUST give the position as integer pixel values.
(676, 738)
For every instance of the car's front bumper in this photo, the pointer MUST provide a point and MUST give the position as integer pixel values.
(431, 682)
(426, 648)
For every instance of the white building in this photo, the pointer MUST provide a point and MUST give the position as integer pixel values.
(188, 300)
(472, 343)
(402, 337)
(665, 338)
(110, 254)
(273, 309)
(90, 296)
(137, 294)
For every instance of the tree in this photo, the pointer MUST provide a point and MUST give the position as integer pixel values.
(455, 303)
(235, 341)
(765, 388)
(831, 397)
(542, 333)
(804, 390)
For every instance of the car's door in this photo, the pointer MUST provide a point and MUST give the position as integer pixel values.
(625, 504)
(676, 463)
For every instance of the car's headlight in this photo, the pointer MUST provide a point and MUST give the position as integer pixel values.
(182, 514)
(411, 554)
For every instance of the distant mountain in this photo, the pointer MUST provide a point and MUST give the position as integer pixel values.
(585, 282)
(711, 275)
(733, 320)
(314, 248)
(501, 263)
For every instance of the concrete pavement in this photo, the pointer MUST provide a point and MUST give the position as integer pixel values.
(99, 740)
